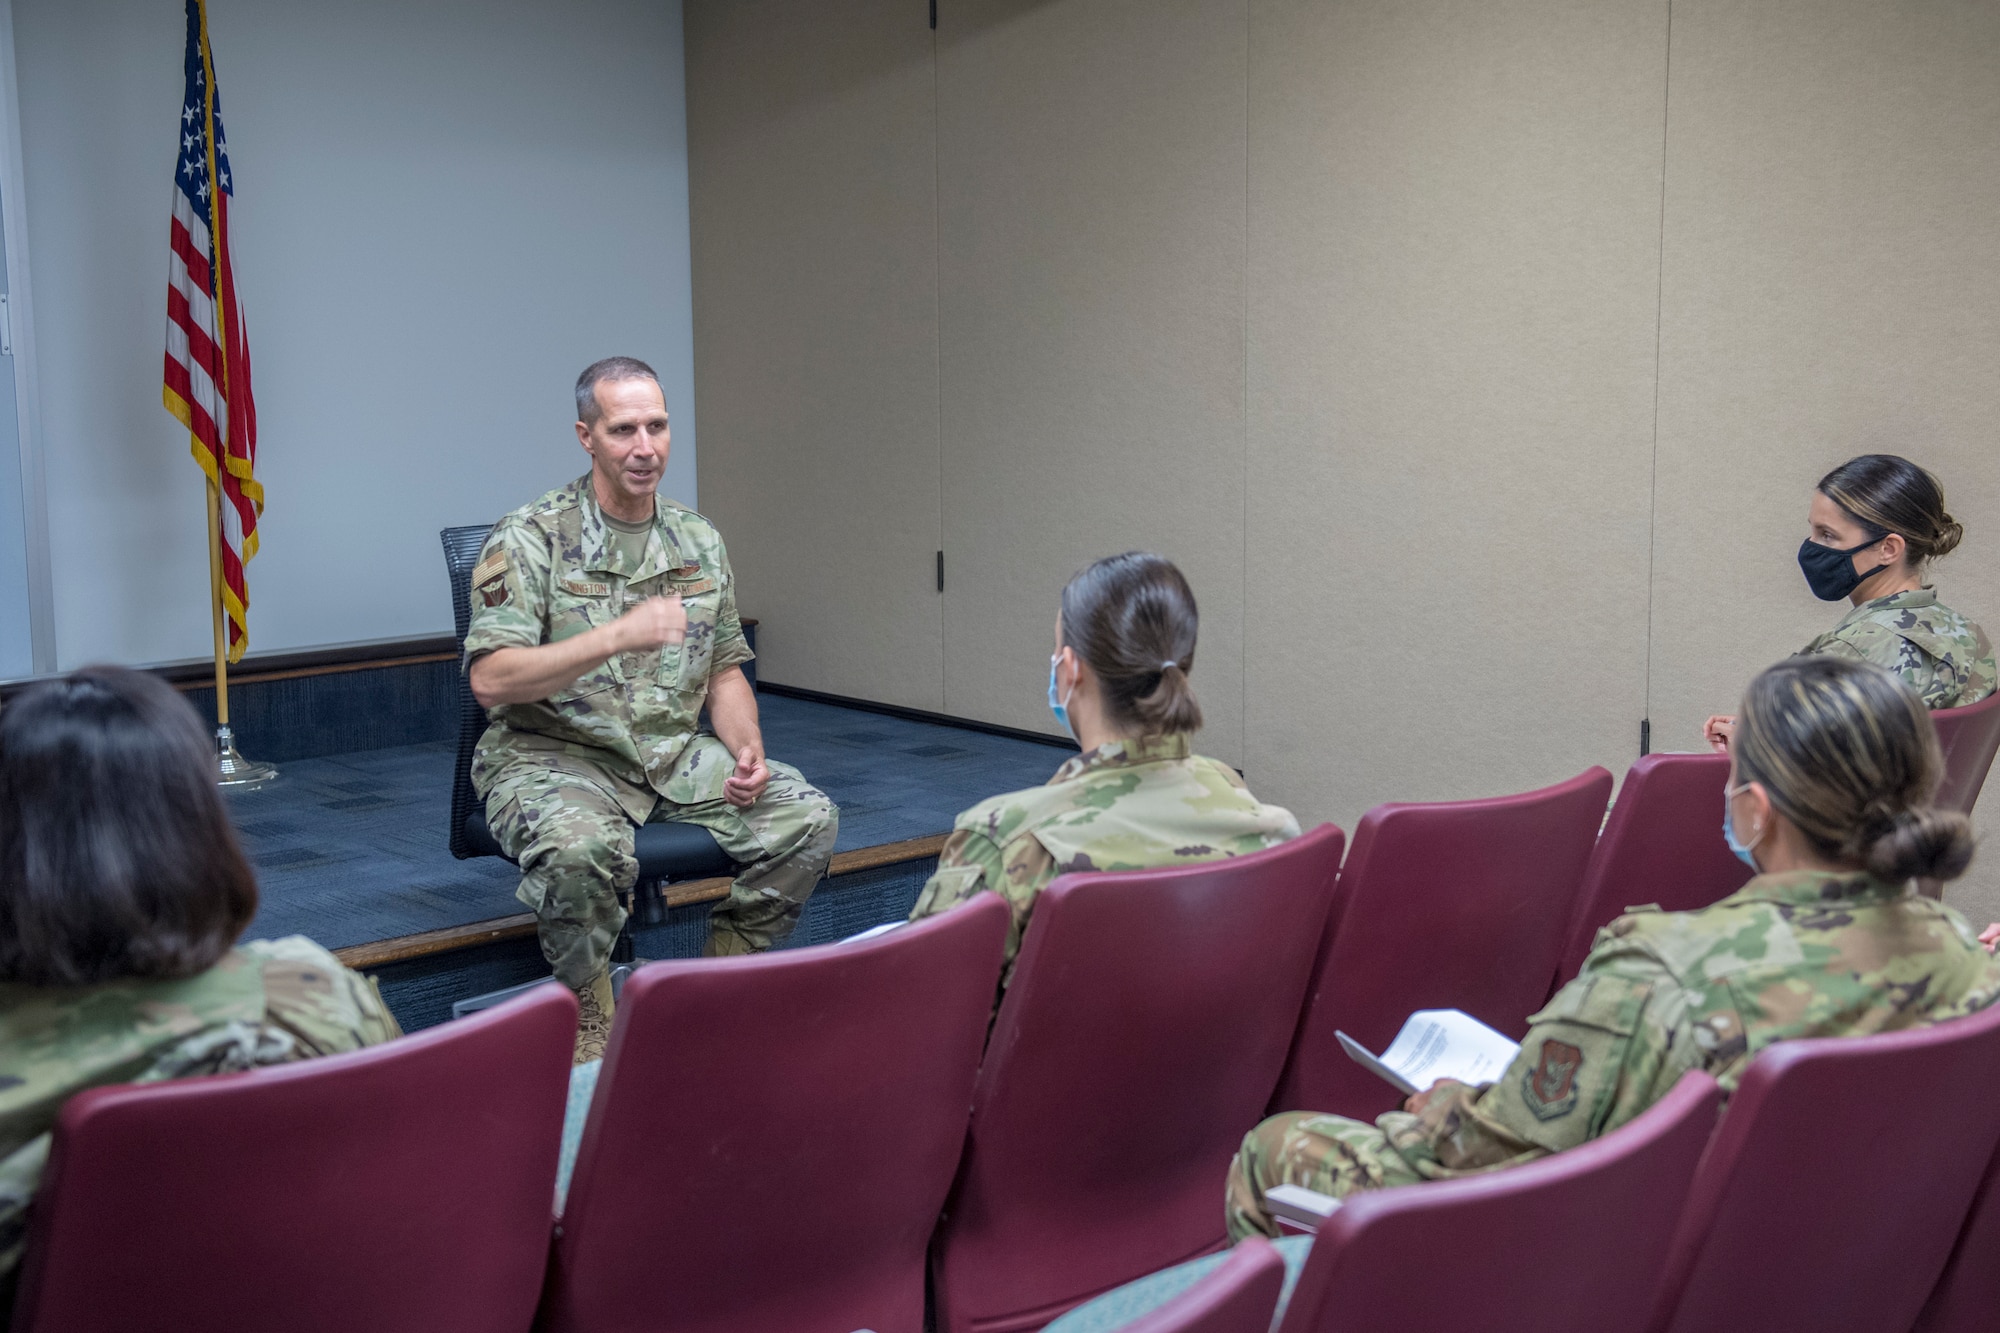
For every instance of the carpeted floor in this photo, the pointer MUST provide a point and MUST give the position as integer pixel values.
(351, 848)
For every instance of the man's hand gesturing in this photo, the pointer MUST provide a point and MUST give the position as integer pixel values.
(653, 623)
(525, 675)
(742, 788)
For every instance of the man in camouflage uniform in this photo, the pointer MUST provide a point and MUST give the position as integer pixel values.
(1801, 954)
(265, 1003)
(1944, 657)
(603, 619)
(1125, 805)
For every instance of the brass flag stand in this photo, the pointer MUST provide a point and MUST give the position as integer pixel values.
(232, 771)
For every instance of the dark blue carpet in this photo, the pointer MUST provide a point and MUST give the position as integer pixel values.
(350, 848)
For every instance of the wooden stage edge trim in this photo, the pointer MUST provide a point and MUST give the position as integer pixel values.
(430, 942)
(262, 677)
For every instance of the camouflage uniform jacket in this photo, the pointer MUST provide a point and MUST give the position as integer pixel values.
(1805, 954)
(548, 572)
(265, 1003)
(1936, 651)
(1127, 805)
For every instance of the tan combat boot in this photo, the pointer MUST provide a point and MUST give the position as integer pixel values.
(593, 1019)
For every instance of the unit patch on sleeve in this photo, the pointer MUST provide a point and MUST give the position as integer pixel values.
(1550, 1087)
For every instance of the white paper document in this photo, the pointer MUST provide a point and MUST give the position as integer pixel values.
(873, 932)
(1303, 1208)
(1435, 1044)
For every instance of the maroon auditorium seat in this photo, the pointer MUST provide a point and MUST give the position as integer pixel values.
(1237, 1297)
(1967, 1297)
(772, 1137)
(1456, 905)
(1568, 1244)
(1147, 1021)
(1663, 844)
(406, 1186)
(1842, 1173)
(1968, 736)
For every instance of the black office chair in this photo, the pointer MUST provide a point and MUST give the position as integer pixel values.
(667, 852)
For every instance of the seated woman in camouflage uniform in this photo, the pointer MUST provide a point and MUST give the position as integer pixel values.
(122, 892)
(1834, 763)
(1829, 800)
(1138, 796)
(1877, 522)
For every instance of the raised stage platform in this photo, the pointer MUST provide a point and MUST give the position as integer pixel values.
(350, 848)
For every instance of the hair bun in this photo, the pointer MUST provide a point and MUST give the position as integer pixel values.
(1924, 843)
(1949, 533)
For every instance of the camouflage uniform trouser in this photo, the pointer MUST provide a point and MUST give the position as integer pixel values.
(574, 846)
(1327, 1153)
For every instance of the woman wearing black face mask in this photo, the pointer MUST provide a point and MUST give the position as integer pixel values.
(1877, 521)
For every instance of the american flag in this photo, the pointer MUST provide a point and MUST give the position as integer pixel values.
(208, 361)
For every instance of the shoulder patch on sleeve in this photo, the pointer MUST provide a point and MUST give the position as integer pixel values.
(1549, 1086)
(489, 576)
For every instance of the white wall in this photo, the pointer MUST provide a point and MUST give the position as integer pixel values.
(443, 212)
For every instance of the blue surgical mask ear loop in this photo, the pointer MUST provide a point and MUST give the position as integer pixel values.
(1743, 853)
(1060, 706)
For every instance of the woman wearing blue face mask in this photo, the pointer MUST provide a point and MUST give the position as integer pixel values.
(1138, 796)
(1876, 523)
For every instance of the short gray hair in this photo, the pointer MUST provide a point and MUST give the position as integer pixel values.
(610, 368)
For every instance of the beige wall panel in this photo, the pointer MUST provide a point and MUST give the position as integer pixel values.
(812, 192)
(1091, 250)
(1831, 287)
(1454, 214)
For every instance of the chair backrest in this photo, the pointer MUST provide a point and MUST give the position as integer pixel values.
(1968, 736)
(815, 1094)
(1573, 1242)
(1457, 905)
(1967, 1297)
(1238, 1297)
(1141, 1036)
(461, 553)
(406, 1186)
(1663, 844)
(1831, 1195)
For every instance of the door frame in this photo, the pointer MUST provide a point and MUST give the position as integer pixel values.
(20, 317)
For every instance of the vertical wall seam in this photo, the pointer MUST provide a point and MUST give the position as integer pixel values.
(1659, 325)
(937, 325)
